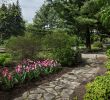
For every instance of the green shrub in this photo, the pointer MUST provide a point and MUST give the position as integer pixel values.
(46, 54)
(8, 62)
(95, 37)
(108, 73)
(98, 44)
(99, 89)
(5, 59)
(67, 57)
(107, 47)
(57, 40)
(23, 47)
(2, 59)
(60, 45)
(108, 53)
(107, 65)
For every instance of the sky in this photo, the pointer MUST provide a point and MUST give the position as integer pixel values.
(29, 7)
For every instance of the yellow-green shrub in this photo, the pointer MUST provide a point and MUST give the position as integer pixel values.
(99, 89)
(108, 53)
(107, 65)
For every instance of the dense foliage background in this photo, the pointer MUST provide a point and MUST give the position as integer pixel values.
(60, 30)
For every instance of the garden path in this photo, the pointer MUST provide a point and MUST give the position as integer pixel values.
(63, 88)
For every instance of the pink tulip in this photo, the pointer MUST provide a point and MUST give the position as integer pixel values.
(18, 69)
(9, 77)
(27, 69)
(33, 66)
(5, 72)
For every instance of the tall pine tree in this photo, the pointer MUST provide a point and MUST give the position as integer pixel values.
(11, 21)
(17, 24)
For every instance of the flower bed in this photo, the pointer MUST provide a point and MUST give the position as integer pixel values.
(27, 70)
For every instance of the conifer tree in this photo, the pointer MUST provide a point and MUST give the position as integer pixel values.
(11, 21)
(16, 21)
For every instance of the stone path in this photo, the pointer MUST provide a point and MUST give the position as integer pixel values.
(63, 87)
(93, 56)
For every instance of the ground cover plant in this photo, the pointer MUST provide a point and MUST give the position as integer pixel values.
(26, 71)
(6, 60)
(99, 89)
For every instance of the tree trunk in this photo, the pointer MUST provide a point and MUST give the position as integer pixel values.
(77, 42)
(101, 38)
(88, 39)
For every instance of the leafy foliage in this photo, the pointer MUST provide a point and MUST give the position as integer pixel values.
(99, 89)
(57, 40)
(98, 44)
(5, 59)
(61, 45)
(67, 57)
(107, 65)
(108, 53)
(45, 20)
(23, 47)
(105, 18)
(11, 21)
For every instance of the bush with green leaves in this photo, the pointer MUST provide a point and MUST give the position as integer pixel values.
(107, 65)
(60, 44)
(98, 44)
(5, 59)
(99, 89)
(108, 53)
(95, 37)
(57, 40)
(23, 47)
(107, 46)
(67, 56)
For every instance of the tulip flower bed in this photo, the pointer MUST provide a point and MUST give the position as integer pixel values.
(26, 71)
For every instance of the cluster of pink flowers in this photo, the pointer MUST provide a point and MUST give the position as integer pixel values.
(29, 65)
(6, 74)
(27, 70)
(47, 63)
(18, 69)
